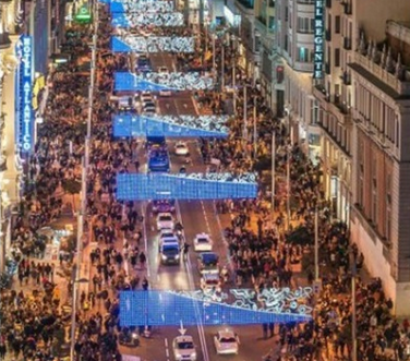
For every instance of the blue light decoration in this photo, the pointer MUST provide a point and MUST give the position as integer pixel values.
(134, 125)
(152, 44)
(155, 82)
(141, 6)
(170, 308)
(125, 20)
(26, 90)
(141, 187)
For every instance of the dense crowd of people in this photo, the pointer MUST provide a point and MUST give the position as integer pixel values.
(34, 324)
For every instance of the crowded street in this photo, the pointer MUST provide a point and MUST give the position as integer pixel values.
(50, 298)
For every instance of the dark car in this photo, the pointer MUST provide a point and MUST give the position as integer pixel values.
(208, 262)
(144, 64)
(163, 206)
(158, 161)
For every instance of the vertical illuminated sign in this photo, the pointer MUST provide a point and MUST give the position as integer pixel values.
(26, 94)
(318, 38)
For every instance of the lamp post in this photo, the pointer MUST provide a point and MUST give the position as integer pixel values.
(273, 170)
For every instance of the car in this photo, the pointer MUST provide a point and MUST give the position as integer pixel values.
(202, 243)
(181, 148)
(170, 253)
(146, 97)
(163, 206)
(166, 233)
(168, 240)
(210, 281)
(143, 63)
(149, 110)
(184, 348)
(158, 161)
(226, 343)
(165, 221)
(163, 70)
(208, 262)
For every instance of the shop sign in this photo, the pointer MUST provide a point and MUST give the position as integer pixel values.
(318, 39)
(26, 94)
(83, 15)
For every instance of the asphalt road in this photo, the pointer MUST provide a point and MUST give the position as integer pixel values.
(196, 217)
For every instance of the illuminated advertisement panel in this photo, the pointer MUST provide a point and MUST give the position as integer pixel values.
(170, 308)
(26, 95)
(153, 44)
(125, 20)
(155, 82)
(319, 30)
(134, 125)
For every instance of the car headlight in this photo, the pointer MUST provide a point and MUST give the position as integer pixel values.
(177, 256)
(164, 257)
(134, 335)
(193, 355)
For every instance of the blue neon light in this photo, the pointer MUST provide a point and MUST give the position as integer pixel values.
(26, 89)
(176, 186)
(133, 125)
(153, 44)
(165, 308)
(125, 81)
(125, 20)
(138, 6)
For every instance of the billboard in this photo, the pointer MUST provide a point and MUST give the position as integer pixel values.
(152, 44)
(136, 186)
(155, 82)
(135, 125)
(133, 6)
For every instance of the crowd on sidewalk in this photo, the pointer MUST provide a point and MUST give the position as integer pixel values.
(34, 323)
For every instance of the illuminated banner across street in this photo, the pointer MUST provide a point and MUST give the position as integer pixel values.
(318, 39)
(26, 94)
(124, 81)
(157, 186)
(235, 307)
(153, 44)
(142, 6)
(147, 18)
(134, 125)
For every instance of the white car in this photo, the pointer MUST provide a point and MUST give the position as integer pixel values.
(149, 110)
(202, 243)
(166, 233)
(226, 343)
(181, 148)
(165, 221)
(210, 282)
(184, 348)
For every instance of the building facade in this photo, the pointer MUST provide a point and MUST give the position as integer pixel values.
(296, 25)
(381, 159)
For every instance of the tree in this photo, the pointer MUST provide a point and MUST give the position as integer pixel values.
(301, 235)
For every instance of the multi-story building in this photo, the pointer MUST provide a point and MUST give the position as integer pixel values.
(265, 23)
(333, 97)
(381, 158)
(295, 44)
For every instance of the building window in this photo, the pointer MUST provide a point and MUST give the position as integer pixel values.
(305, 26)
(337, 57)
(374, 192)
(271, 3)
(397, 132)
(286, 14)
(337, 24)
(271, 24)
(304, 55)
(285, 43)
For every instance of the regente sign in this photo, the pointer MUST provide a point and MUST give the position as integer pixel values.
(318, 39)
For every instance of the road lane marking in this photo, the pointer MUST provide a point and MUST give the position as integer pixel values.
(166, 343)
(188, 266)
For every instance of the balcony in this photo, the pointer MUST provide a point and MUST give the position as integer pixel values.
(346, 78)
(328, 35)
(347, 8)
(327, 68)
(347, 43)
